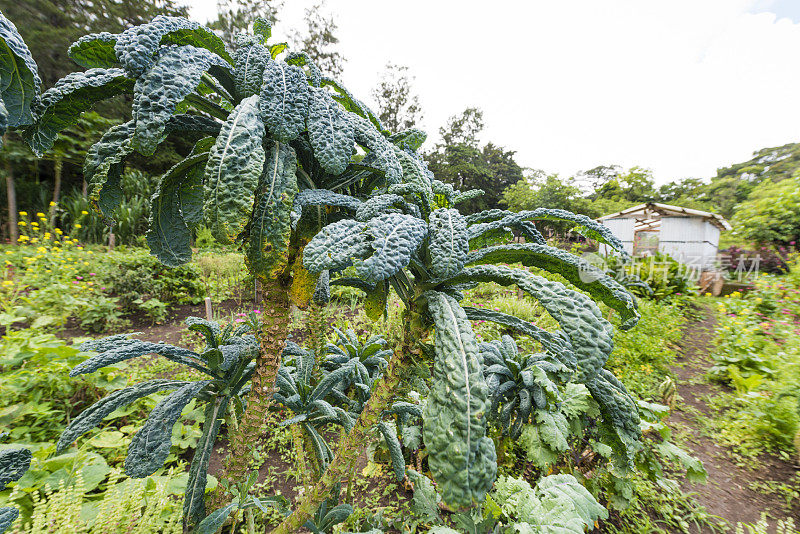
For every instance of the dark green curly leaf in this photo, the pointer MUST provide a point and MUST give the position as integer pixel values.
(553, 343)
(284, 100)
(301, 59)
(578, 271)
(7, 517)
(591, 336)
(95, 50)
(158, 91)
(267, 248)
(380, 204)
(411, 139)
(92, 416)
(395, 452)
(120, 350)
(214, 521)
(460, 456)
(61, 105)
(234, 167)
(351, 103)
(13, 464)
(19, 77)
(176, 207)
(194, 498)
(321, 197)
(393, 238)
(381, 153)
(448, 242)
(150, 446)
(330, 132)
(104, 165)
(136, 48)
(336, 246)
(249, 59)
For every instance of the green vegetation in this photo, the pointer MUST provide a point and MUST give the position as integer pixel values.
(474, 382)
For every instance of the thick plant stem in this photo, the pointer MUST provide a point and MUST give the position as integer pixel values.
(349, 449)
(272, 337)
(300, 452)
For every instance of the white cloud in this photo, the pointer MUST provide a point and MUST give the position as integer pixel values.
(681, 87)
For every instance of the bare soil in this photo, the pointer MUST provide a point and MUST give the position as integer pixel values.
(726, 494)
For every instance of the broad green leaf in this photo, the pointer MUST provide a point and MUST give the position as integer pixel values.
(590, 335)
(336, 246)
(580, 223)
(393, 238)
(92, 416)
(321, 197)
(194, 497)
(7, 517)
(13, 464)
(389, 434)
(267, 247)
(19, 77)
(351, 103)
(284, 100)
(232, 174)
(150, 446)
(411, 139)
(537, 450)
(553, 429)
(178, 194)
(263, 28)
(579, 273)
(114, 350)
(448, 242)
(381, 152)
(104, 165)
(137, 47)
(95, 50)
(460, 456)
(250, 59)
(214, 521)
(330, 132)
(376, 300)
(157, 92)
(62, 105)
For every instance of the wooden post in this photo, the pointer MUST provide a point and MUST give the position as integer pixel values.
(111, 241)
(209, 312)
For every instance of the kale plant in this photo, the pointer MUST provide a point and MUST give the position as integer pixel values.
(273, 142)
(227, 360)
(411, 238)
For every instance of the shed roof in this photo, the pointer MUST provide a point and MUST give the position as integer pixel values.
(648, 215)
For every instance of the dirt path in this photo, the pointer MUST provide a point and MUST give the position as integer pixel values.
(726, 494)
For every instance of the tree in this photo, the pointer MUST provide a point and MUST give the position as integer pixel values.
(319, 39)
(398, 106)
(771, 213)
(458, 160)
(236, 16)
(51, 26)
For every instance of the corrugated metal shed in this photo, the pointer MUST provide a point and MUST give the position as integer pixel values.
(688, 235)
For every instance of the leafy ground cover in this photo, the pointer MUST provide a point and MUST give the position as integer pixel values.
(88, 483)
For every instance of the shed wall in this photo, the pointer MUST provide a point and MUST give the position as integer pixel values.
(623, 229)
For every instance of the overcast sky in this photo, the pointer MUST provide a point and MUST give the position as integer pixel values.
(680, 86)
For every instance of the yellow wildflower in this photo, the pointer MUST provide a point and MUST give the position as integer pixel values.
(34, 223)
(84, 212)
(41, 249)
(23, 214)
(40, 215)
(7, 283)
(78, 227)
(52, 204)
(58, 231)
(22, 223)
